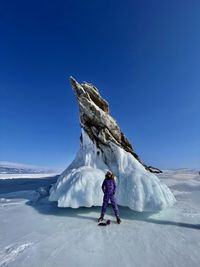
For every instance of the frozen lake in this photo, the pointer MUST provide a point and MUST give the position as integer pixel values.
(35, 232)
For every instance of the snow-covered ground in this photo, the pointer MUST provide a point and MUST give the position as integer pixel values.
(35, 232)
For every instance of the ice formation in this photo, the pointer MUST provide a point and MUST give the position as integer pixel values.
(104, 147)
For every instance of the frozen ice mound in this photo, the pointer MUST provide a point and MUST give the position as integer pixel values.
(80, 184)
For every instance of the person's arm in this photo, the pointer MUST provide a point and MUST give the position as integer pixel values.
(114, 187)
(103, 186)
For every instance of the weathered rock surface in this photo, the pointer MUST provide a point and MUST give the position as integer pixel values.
(98, 123)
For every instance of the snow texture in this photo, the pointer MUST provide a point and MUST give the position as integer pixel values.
(11, 252)
(80, 184)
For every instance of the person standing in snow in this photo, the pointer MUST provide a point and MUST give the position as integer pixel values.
(108, 187)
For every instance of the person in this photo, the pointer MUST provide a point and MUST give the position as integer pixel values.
(109, 187)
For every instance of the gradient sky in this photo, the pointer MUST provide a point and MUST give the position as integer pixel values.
(143, 56)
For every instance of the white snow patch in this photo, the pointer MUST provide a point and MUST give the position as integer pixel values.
(11, 252)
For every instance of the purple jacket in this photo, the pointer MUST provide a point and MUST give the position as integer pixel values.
(108, 186)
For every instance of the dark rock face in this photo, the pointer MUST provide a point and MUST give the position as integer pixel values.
(96, 120)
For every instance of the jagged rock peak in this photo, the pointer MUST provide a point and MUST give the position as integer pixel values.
(96, 120)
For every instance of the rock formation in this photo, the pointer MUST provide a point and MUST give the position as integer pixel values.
(105, 147)
(97, 122)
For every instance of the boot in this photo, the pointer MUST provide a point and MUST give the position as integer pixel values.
(118, 220)
(100, 218)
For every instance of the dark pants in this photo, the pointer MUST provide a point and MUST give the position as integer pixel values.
(112, 199)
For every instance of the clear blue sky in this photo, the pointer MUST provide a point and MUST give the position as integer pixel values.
(144, 56)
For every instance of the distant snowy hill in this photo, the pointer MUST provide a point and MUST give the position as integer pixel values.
(18, 168)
